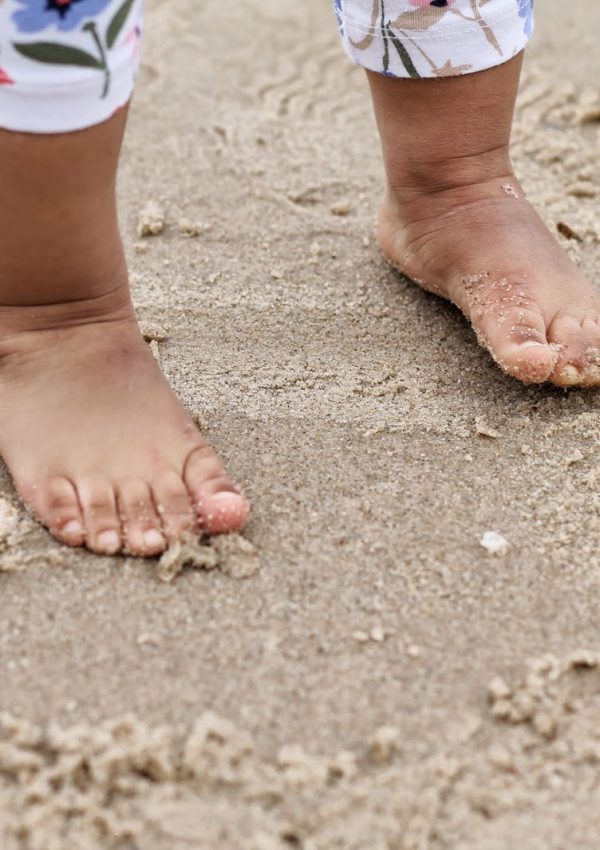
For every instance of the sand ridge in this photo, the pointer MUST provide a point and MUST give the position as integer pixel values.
(530, 761)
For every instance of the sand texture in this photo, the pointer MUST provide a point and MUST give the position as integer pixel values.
(404, 656)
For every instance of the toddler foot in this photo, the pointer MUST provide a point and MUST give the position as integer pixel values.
(456, 221)
(96, 441)
(483, 247)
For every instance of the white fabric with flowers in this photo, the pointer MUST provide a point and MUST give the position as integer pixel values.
(69, 64)
(433, 38)
(66, 64)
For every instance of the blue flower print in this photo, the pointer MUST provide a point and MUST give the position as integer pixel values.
(37, 15)
(338, 11)
(99, 36)
(526, 11)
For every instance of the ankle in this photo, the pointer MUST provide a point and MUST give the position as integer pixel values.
(411, 178)
(113, 305)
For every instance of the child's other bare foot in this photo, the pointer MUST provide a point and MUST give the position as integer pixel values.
(96, 441)
(455, 219)
(483, 247)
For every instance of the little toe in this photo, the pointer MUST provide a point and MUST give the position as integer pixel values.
(61, 513)
(141, 524)
(571, 340)
(591, 328)
(217, 499)
(516, 338)
(100, 515)
(174, 506)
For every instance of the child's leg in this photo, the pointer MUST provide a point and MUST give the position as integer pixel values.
(94, 437)
(455, 218)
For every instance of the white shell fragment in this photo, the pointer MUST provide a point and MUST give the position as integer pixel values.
(494, 543)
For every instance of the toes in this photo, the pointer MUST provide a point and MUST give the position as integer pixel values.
(61, 513)
(218, 502)
(100, 515)
(141, 524)
(516, 338)
(174, 506)
(577, 340)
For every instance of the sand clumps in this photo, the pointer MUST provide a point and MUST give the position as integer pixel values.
(153, 332)
(126, 784)
(540, 699)
(14, 526)
(109, 786)
(9, 525)
(232, 554)
(152, 220)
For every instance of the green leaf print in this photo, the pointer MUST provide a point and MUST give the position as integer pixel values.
(386, 47)
(117, 23)
(403, 54)
(57, 54)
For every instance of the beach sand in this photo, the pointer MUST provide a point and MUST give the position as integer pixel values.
(372, 677)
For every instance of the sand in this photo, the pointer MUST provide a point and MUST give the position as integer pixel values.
(371, 676)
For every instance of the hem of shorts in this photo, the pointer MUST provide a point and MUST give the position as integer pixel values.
(61, 108)
(370, 65)
(365, 28)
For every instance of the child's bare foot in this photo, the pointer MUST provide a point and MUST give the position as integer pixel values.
(94, 437)
(97, 442)
(456, 221)
(483, 247)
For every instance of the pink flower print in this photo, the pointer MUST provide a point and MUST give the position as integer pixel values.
(134, 37)
(5, 80)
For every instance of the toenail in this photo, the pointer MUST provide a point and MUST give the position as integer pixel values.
(109, 541)
(530, 343)
(570, 374)
(593, 373)
(153, 539)
(72, 527)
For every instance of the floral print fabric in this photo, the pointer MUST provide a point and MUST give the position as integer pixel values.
(69, 64)
(66, 64)
(433, 38)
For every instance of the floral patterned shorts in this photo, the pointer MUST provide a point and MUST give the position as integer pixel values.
(66, 64)
(69, 64)
(433, 38)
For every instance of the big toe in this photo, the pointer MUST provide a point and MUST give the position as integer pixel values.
(517, 341)
(222, 512)
(220, 506)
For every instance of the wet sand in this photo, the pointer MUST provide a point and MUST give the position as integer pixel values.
(378, 444)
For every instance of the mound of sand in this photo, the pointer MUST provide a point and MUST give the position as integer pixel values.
(533, 758)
